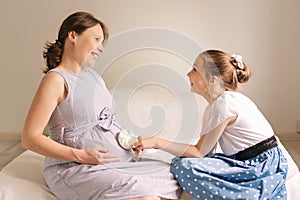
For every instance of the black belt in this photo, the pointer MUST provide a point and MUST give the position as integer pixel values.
(257, 149)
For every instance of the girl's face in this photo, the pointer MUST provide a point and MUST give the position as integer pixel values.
(197, 80)
(89, 46)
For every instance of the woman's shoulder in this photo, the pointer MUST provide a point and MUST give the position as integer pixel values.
(53, 75)
(51, 87)
(53, 79)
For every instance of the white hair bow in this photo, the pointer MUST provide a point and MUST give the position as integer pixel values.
(239, 60)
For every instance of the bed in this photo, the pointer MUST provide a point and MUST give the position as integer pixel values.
(22, 178)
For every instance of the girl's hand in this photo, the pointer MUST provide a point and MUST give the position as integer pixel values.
(99, 156)
(145, 143)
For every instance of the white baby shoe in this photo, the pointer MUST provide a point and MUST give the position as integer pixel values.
(126, 140)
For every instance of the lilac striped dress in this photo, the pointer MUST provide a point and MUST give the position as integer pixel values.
(84, 119)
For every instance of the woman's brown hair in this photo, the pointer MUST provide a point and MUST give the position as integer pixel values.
(78, 22)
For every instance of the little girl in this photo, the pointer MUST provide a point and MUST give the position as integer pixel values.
(251, 166)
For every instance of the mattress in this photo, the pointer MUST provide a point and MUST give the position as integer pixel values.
(23, 178)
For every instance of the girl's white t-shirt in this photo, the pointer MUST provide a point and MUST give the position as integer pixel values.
(250, 127)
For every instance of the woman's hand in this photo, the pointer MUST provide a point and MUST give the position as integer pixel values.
(99, 156)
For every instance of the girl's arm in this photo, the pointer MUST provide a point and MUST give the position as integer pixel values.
(202, 148)
(49, 94)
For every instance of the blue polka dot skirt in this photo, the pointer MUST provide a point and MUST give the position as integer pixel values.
(220, 177)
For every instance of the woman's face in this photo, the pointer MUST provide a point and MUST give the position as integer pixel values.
(89, 46)
(196, 76)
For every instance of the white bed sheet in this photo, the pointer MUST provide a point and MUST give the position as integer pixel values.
(23, 178)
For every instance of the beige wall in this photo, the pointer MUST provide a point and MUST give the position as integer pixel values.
(266, 33)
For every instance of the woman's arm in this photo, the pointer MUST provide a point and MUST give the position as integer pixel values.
(202, 148)
(51, 92)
